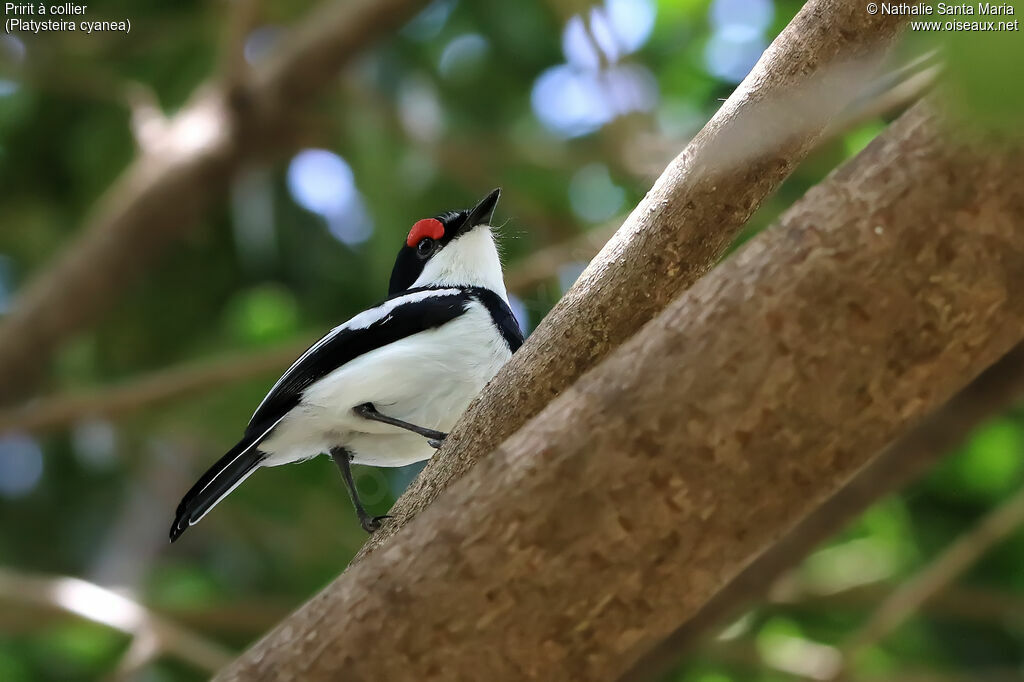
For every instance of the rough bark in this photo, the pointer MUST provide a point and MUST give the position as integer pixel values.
(595, 531)
(998, 388)
(810, 73)
(166, 190)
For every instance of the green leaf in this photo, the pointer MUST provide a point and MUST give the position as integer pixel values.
(985, 70)
(262, 315)
(988, 468)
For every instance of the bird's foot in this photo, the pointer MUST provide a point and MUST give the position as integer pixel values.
(437, 442)
(372, 523)
(368, 411)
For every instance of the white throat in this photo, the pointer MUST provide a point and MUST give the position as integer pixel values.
(470, 259)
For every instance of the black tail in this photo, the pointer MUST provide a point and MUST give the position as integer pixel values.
(216, 483)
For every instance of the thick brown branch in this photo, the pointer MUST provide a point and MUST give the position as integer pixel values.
(593, 533)
(678, 231)
(995, 390)
(165, 191)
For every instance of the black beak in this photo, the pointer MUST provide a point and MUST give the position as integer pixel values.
(482, 212)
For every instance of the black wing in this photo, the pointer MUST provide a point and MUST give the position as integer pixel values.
(343, 344)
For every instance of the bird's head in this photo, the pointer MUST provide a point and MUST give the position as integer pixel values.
(451, 249)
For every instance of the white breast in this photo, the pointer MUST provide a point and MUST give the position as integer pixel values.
(427, 379)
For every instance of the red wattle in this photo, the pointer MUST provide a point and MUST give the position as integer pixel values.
(428, 227)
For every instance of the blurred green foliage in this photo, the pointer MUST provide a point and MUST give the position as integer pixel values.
(422, 131)
(985, 64)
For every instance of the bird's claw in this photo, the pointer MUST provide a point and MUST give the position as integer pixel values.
(372, 523)
(435, 442)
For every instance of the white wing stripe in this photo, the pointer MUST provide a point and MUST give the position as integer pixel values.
(239, 481)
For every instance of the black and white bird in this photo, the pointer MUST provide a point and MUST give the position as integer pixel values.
(386, 386)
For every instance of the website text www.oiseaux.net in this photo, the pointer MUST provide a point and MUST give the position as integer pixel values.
(982, 16)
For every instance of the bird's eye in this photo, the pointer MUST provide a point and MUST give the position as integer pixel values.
(425, 247)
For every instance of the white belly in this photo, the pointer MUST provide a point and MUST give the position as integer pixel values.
(427, 379)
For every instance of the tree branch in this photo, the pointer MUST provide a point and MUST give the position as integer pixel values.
(108, 608)
(162, 195)
(911, 455)
(938, 574)
(895, 99)
(151, 389)
(592, 534)
(679, 231)
(744, 656)
(963, 603)
(241, 619)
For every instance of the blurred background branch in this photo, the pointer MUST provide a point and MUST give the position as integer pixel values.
(113, 610)
(174, 383)
(165, 191)
(938, 575)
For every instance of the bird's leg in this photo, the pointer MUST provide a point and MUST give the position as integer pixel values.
(368, 411)
(343, 458)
